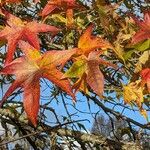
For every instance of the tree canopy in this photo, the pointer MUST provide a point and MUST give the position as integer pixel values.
(65, 52)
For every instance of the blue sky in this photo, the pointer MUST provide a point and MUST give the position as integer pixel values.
(87, 108)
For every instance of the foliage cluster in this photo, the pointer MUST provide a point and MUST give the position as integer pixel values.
(99, 48)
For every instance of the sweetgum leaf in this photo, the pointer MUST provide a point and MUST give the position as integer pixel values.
(21, 30)
(29, 69)
(87, 70)
(133, 92)
(144, 32)
(77, 69)
(88, 43)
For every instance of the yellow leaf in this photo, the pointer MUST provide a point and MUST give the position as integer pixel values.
(119, 51)
(133, 93)
(59, 18)
(144, 113)
(142, 60)
(88, 42)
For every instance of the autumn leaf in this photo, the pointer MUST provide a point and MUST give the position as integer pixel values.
(16, 30)
(133, 92)
(143, 61)
(87, 71)
(88, 42)
(87, 61)
(65, 5)
(144, 32)
(29, 69)
(144, 113)
(145, 75)
(58, 4)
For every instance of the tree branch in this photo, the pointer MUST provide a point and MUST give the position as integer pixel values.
(117, 114)
(77, 135)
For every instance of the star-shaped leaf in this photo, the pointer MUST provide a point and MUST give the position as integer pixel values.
(133, 92)
(16, 30)
(144, 32)
(87, 71)
(30, 68)
(88, 42)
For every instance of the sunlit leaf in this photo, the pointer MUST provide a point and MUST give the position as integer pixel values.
(28, 71)
(21, 30)
(144, 32)
(133, 92)
(88, 42)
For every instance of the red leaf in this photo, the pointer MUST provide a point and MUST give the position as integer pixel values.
(145, 75)
(95, 77)
(31, 98)
(87, 71)
(30, 68)
(144, 31)
(20, 30)
(53, 4)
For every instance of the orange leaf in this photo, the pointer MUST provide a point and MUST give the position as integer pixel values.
(29, 69)
(88, 72)
(88, 43)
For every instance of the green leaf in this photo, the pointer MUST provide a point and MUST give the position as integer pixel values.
(128, 54)
(58, 17)
(77, 69)
(142, 46)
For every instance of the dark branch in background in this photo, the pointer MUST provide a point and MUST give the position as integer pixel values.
(60, 131)
(28, 138)
(117, 114)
